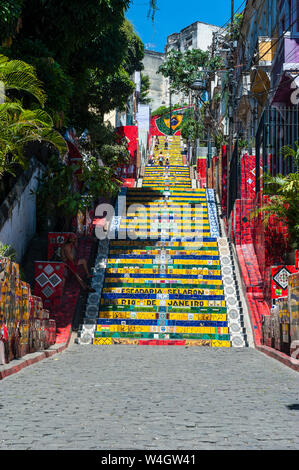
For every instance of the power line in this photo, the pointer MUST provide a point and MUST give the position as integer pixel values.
(272, 45)
(259, 58)
(272, 89)
(280, 37)
(290, 55)
(228, 21)
(275, 43)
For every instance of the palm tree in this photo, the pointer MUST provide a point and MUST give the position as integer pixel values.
(19, 76)
(18, 126)
(288, 151)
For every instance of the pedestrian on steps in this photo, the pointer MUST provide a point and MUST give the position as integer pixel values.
(151, 160)
(69, 258)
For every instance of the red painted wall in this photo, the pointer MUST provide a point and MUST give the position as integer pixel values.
(129, 134)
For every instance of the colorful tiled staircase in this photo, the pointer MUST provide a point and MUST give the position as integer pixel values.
(168, 285)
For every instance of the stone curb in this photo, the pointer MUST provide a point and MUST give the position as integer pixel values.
(274, 353)
(12, 369)
(279, 356)
(33, 358)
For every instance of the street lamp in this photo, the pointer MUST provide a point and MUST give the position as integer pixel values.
(198, 84)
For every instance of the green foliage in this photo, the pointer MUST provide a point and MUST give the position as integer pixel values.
(219, 140)
(233, 30)
(284, 202)
(55, 194)
(59, 88)
(135, 49)
(114, 155)
(111, 91)
(283, 192)
(98, 180)
(160, 111)
(10, 11)
(56, 81)
(58, 197)
(107, 91)
(217, 97)
(68, 28)
(165, 109)
(144, 89)
(183, 68)
(18, 127)
(236, 28)
(78, 51)
(6, 251)
(21, 77)
(193, 129)
(288, 151)
(242, 145)
(100, 133)
(84, 54)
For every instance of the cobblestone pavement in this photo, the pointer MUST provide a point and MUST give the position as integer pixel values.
(128, 397)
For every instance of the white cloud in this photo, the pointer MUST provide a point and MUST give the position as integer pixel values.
(149, 45)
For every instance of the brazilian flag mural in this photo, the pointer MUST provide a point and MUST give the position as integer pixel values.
(160, 125)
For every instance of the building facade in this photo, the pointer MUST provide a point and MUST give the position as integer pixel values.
(198, 35)
(158, 84)
(259, 86)
(254, 100)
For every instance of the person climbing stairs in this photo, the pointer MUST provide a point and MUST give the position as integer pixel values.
(164, 280)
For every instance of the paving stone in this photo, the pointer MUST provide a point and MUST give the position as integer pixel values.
(191, 399)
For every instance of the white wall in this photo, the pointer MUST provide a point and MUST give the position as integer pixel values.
(158, 84)
(20, 227)
(205, 35)
(110, 118)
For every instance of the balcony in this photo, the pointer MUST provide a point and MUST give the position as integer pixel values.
(286, 58)
(260, 73)
(266, 51)
(285, 69)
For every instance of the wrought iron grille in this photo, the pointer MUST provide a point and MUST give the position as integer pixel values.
(277, 127)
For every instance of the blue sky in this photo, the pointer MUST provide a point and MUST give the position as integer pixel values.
(175, 15)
